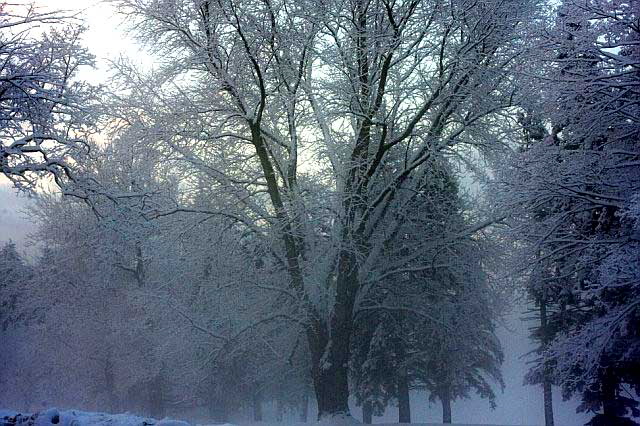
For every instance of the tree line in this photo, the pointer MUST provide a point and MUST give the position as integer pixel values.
(325, 197)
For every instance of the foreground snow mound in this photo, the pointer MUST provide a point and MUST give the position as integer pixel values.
(54, 417)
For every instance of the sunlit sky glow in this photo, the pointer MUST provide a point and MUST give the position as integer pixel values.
(106, 35)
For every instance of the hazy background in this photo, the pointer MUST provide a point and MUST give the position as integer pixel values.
(13, 224)
(517, 405)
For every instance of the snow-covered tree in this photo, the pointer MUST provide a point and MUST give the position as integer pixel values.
(44, 115)
(13, 272)
(436, 330)
(575, 191)
(270, 101)
(162, 311)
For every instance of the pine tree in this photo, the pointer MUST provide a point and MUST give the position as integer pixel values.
(437, 329)
(13, 273)
(576, 189)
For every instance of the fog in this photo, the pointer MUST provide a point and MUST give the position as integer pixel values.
(518, 404)
(13, 224)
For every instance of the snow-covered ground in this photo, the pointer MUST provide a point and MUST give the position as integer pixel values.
(55, 417)
(52, 416)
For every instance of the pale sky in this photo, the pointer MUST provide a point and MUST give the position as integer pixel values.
(519, 405)
(107, 40)
(13, 224)
(106, 36)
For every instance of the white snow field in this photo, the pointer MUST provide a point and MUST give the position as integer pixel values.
(55, 417)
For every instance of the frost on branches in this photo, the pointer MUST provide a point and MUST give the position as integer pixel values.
(311, 122)
(276, 209)
(44, 117)
(574, 187)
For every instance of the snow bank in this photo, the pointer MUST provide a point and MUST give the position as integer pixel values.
(54, 417)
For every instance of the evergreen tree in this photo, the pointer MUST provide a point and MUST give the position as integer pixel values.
(576, 195)
(432, 323)
(14, 272)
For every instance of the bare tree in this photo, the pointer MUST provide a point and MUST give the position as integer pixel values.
(289, 111)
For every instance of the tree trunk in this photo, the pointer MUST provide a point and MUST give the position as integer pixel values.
(331, 371)
(546, 378)
(279, 410)
(608, 394)
(367, 413)
(330, 357)
(404, 405)
(217, 408)
(109, 384)
(257, 406)
(304, 407)
(445, 397)
(156, 398)
(548, 401)
(331, 388)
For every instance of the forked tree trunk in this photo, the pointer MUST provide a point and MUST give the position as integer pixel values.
(404, 405)
(331, 378)
(367, 413)
(329, 342)
(330, 357)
